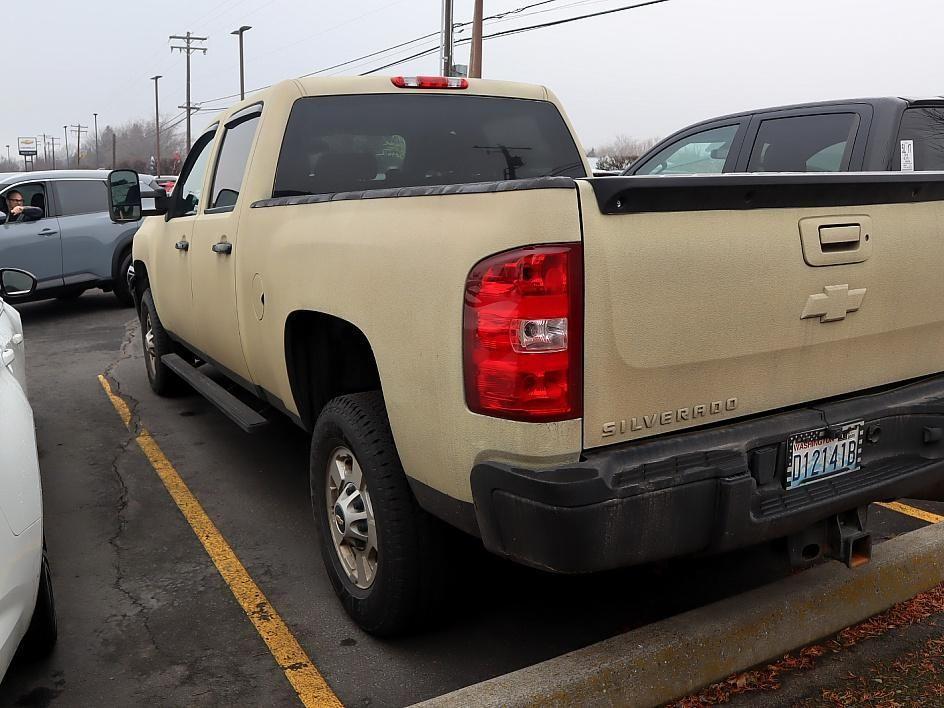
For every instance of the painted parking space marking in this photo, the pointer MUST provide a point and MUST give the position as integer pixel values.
(309, 684)
(928, 516)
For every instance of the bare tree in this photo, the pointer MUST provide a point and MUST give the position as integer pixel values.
(622, 152)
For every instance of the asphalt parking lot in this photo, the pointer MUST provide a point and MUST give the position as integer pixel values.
(146, 617)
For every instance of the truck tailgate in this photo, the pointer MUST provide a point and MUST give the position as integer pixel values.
(714, 297)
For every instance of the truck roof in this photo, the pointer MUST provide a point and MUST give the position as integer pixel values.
(291, 89)
(880, 102)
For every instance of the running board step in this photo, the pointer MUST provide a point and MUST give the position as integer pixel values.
(234, 409)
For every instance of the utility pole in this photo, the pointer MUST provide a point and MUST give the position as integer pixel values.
(157, 124)
(242, 67)
(445, 51)
(45, 151)
(475, 68)
(65, 130)
(188, 49)
(114, 151)
(98, 158)
(52, 143)
(78, 129)
(8, 154)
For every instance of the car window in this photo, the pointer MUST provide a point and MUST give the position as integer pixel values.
(811, 143)
(33, 195)
(231, 165)
(82, 197)
(189, 190)
(353, 143)
(699, 153)
(924, 127)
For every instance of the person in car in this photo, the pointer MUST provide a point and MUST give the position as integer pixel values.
(17, 211)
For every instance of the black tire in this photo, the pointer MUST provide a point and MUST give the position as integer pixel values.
(410, 571)
(43, 630)
(164, 382)
(122, 291)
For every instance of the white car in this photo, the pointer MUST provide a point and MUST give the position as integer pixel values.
(27, 608)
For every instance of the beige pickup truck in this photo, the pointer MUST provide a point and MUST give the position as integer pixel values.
(584, 373)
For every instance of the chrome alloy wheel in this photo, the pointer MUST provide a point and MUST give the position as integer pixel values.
(150, 349)
(351, 517)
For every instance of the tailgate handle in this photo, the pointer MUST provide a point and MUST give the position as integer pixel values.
(841, 237)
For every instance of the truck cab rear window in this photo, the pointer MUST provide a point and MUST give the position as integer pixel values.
(353, 143)
(925, 128)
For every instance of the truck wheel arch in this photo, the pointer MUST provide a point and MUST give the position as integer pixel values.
(122, 246)
(140, 280)
(326, 357)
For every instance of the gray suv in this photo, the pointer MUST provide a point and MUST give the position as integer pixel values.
(67, 240)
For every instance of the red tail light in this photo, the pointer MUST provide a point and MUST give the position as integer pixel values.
(523, 322)
(430, 82)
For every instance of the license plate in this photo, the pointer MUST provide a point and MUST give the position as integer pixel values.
(824, 452)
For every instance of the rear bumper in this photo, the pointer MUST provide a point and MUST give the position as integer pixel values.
(710, 490)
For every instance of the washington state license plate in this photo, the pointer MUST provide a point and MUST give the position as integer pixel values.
(820, 453)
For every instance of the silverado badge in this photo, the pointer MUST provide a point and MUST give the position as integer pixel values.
(838, 301)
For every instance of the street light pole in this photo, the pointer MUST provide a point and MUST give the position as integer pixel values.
(445, 52)
(157, 124)
(98, 161)
(242, 67)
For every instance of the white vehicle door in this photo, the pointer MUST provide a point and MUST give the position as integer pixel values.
(20, 494)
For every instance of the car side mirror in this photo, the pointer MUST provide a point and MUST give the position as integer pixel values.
(125, 195)
(16, 283)
(3, 218)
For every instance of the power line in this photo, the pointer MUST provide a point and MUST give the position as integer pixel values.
(519, 30)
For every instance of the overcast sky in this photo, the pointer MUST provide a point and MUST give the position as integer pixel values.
(644, 72)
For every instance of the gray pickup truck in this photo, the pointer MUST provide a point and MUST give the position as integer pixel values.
(858, 135)
(65, 237)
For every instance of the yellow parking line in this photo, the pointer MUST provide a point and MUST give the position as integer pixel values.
(307, 681)
(913, 511)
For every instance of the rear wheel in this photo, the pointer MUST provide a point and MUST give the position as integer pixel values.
(382, 552)
(122, 288)
(43, 631)
(157, 343)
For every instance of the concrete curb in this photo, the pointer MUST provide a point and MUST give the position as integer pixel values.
(672, 658)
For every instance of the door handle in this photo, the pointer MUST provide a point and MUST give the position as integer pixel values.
(48, 232)
(223, 247)
(836, 239)
(840, 237)
(7, 356)
(182, 246)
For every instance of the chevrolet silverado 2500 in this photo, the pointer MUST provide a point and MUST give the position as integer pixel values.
(585, 373)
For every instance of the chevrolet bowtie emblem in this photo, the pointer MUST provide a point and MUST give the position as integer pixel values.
(838, 301)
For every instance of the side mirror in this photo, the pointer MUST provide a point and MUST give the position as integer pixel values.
(3, 218)
(125, 195)
(15, 283)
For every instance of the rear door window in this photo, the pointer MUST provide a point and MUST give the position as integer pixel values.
(812, 143)
(924, 127)
(81, 197)
(353, 143)
(699, 153)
